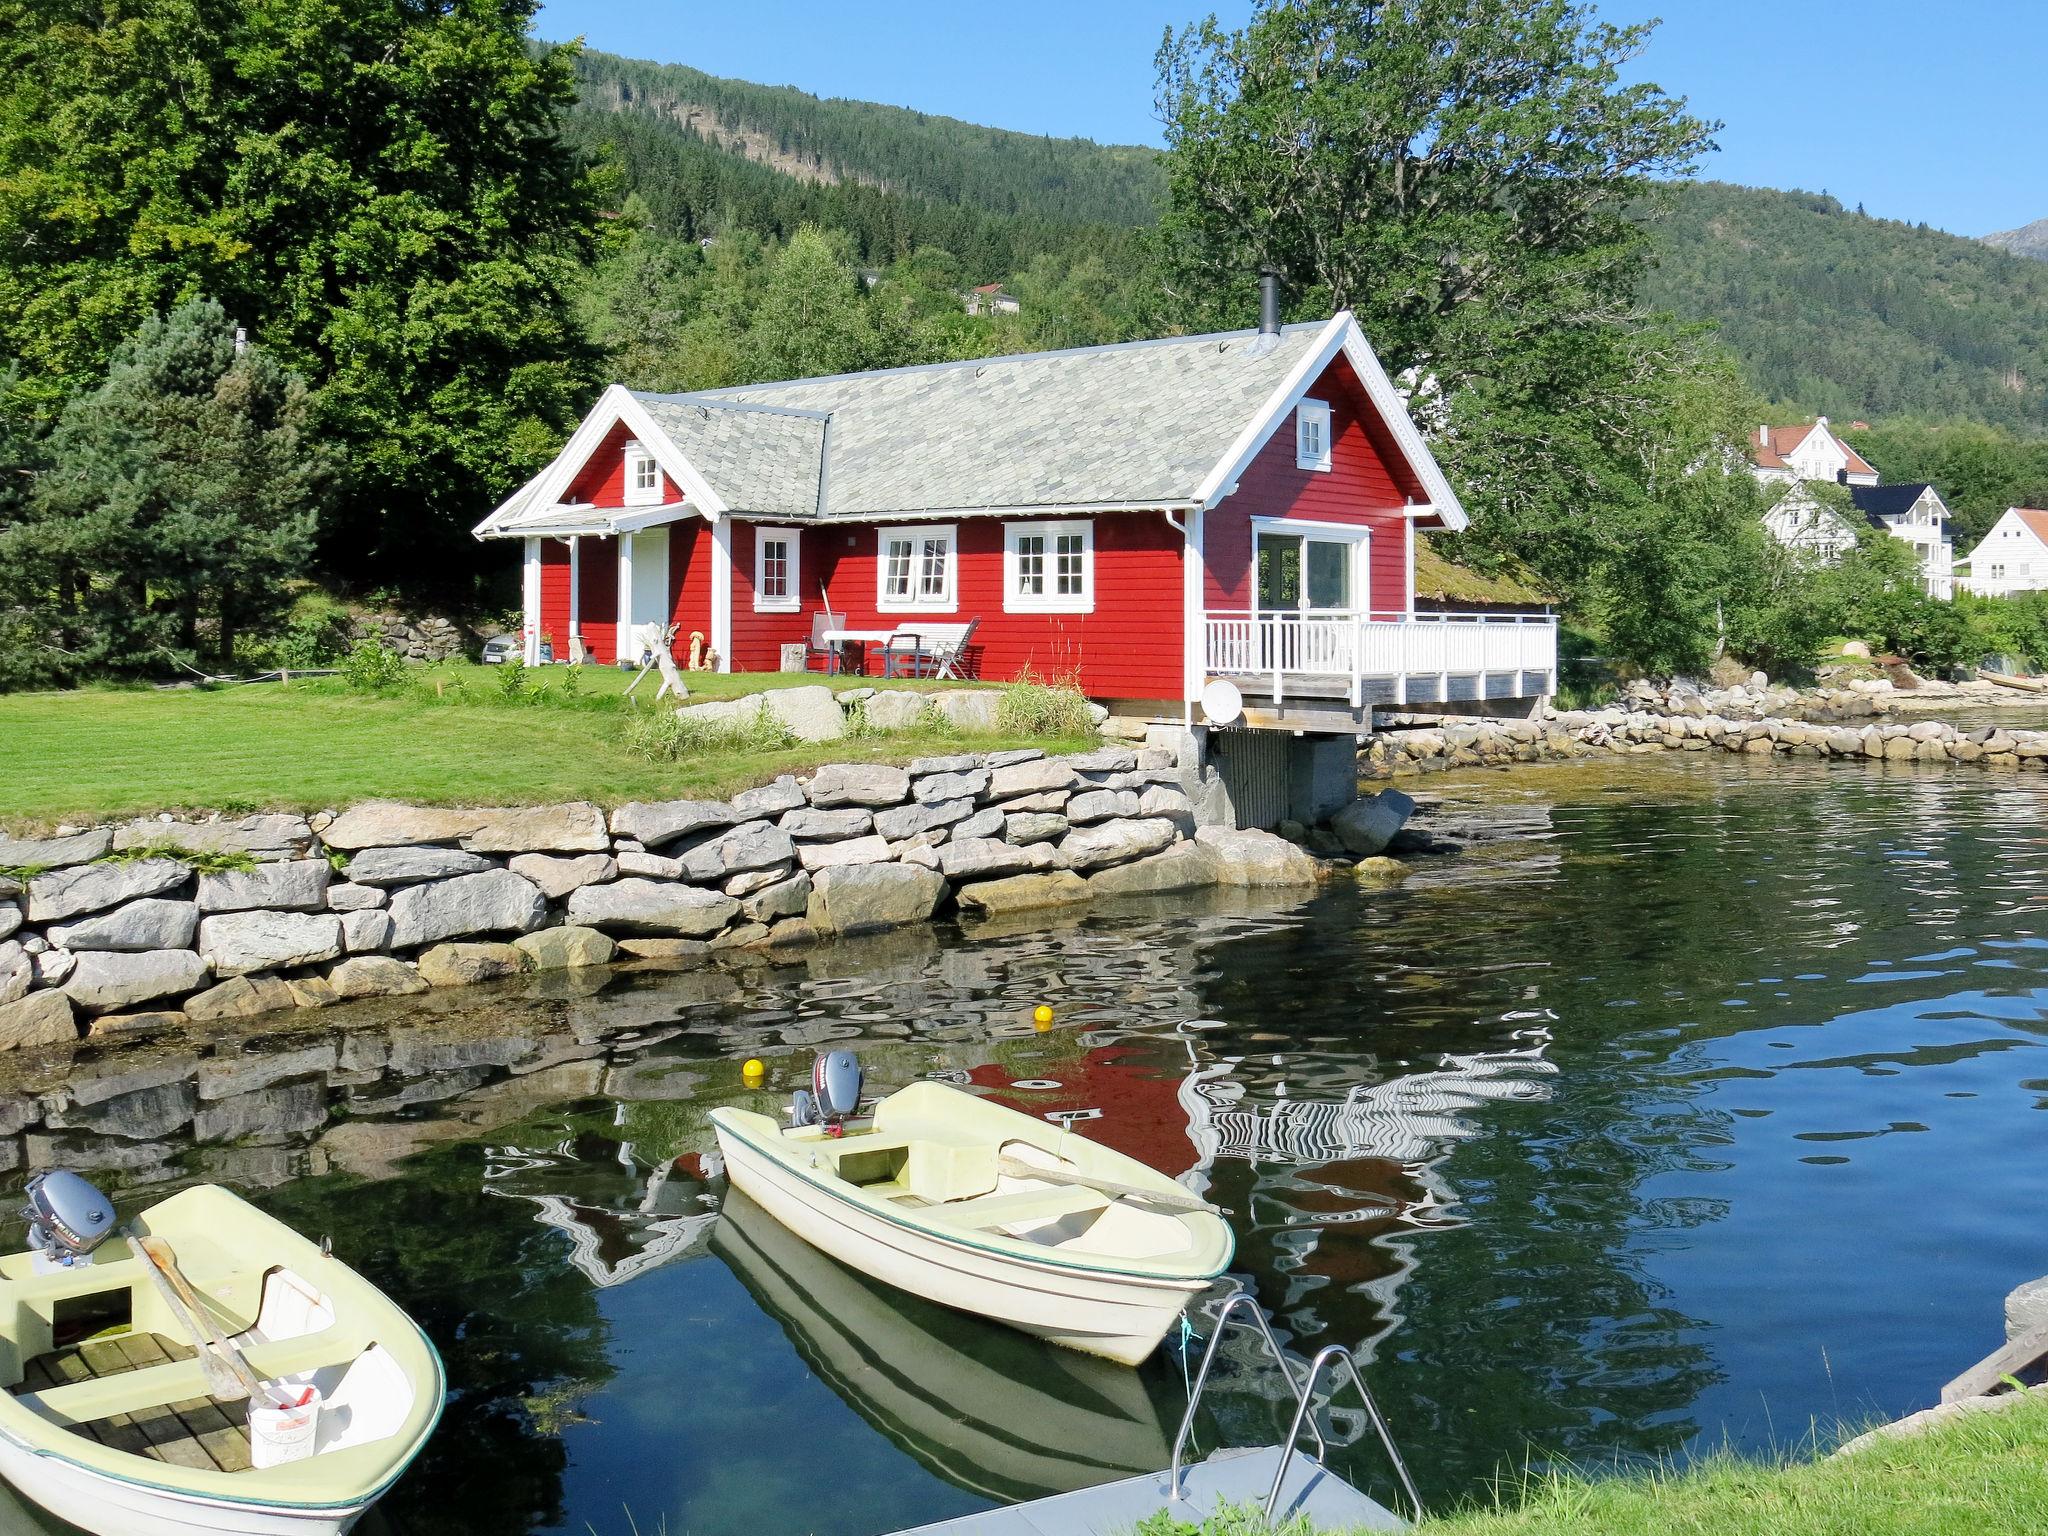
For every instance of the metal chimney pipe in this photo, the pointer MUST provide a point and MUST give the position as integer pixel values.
(1269, 301)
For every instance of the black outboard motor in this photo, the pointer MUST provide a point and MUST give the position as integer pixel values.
(67, 1217)
(835, 1088)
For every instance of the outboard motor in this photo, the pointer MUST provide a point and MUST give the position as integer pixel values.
(67, 1217)
(835, 1088)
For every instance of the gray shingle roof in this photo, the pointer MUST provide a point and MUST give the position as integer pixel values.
(1143, 422)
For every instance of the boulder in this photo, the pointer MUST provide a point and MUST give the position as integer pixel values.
(935, 787)
(1026, 827)
(986, 823)
(770, 800)
(722, 715)
(957, 762)
(151, 923)
(555, 877)
(375, 976)
(649, 866)
(1248, 857)
(10, 917)
(355, 898)
(786, 898)
(291, 885)
(654, 822)
(665, 951)
(51, 968)
(365, 933)
(1023, 893)
(1182, 867)
(86, 888)
(1366, 826)
(496, 901)
(649, 906)
(54, 852)
(1100, 805)
(893, 709)
(746, 883)
(42, 1018)
(236, 943)
(462, 965)
(269, 836)
(970, 709)
(872, 849)
(751, 845)
(384, 824)
(1114, 842)
(809, 713)
(1014, 755)
(564, 949)
(861, 898)
(577, 827)
(105, 981)
(1036, 776)
(1103, 760)
(905, 821)
(989, 858)
(817, 826)
(240, 997)
(870, 784)
(1168, 800)
(409, 866)
(1052, 803)
(162, 1021)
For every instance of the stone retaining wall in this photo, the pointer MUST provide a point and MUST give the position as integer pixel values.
(1608, 732)
(147, 927)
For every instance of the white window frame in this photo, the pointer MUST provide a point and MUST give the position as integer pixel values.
(916, 533)
(635, 494)
(1049, 601)
(1312, 413)
(794, 538)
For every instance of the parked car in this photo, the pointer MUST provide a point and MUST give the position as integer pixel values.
(501, 648)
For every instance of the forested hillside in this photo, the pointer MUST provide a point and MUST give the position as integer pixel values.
(1828, 310)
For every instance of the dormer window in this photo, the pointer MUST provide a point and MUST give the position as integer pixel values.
(1312, 435)
(643, 477)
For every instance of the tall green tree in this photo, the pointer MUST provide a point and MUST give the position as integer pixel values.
(813, 316)
(377, 191)
(174, 503)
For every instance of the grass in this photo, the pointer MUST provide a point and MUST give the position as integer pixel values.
(1977, 1475)
(450, 737)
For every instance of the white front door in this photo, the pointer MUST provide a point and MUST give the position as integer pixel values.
(643, 585)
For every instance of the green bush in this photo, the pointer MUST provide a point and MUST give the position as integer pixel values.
(1030, 707)
(515, 684)
(662, 736)
(369, 668)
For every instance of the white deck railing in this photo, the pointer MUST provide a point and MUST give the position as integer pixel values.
(1397, 658)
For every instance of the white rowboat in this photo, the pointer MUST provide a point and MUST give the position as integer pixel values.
(115, 1431)
(935, 1197)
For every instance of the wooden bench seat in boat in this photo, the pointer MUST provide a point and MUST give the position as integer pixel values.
(84, 1402)
(195, 1432)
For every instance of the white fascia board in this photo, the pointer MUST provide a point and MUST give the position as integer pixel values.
(1394, 411)
(695, 487)
(1217, 483)
(636, 518)
(615, 405)
(494, 525)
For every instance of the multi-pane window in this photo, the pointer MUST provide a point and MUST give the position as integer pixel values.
(775, 570)
(1312, 435)
(1049, 567)
(916, 568)
(643, 477)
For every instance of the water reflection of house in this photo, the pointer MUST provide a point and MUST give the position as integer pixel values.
(621, 1219)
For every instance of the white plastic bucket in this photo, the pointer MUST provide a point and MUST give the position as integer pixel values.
(278, 1434)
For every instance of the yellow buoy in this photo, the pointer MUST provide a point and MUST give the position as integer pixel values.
(754, 1069)
(1042, 1016)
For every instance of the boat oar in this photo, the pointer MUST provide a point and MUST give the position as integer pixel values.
(228, 1376)
(1017, 1168)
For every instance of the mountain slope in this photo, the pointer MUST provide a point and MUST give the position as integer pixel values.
(2027, 240)
(1828, 310)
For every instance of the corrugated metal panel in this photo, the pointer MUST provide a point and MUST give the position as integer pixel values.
(1254, 767)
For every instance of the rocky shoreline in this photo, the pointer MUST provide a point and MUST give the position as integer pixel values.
(157, 924)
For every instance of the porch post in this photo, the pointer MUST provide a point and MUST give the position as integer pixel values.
(529, 604)
(575, 596)
(622, 648)
(721, 592)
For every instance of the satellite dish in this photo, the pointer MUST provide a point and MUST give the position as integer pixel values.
(1221, 701)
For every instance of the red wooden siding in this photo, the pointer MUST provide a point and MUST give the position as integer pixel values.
(602, 480)
(1128, 648)
(597, 617)
(554, 594)
(1367, 484)
(689, 582)
(758, 638)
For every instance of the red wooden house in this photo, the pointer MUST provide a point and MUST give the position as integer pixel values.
(1217, 527)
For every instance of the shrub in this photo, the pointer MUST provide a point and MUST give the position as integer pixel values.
(370, 668)
(515, 684)
(663, 736)
(1031, 707)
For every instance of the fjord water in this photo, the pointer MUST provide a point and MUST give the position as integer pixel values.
(1691, 1103)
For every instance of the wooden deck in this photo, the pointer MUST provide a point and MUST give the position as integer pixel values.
(198, 1433)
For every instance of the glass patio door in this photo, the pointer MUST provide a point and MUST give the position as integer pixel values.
(1297, 577)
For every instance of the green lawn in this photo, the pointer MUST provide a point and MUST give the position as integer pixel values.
(101, 753)
(1983, 1474)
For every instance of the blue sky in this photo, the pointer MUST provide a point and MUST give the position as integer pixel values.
(1916, 111)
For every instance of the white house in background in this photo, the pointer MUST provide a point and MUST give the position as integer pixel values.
(2013, 556)
(1797, 456)
(1787, 455)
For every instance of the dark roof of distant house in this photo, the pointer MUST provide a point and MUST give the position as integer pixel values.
(1878, 502)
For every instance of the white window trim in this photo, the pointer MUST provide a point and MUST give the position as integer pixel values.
(794, 538)
(1049, 601)
(633, 495)
(1317, 411)
(948, 602)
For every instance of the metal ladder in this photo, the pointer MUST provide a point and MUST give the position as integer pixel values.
(1303, 1392)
